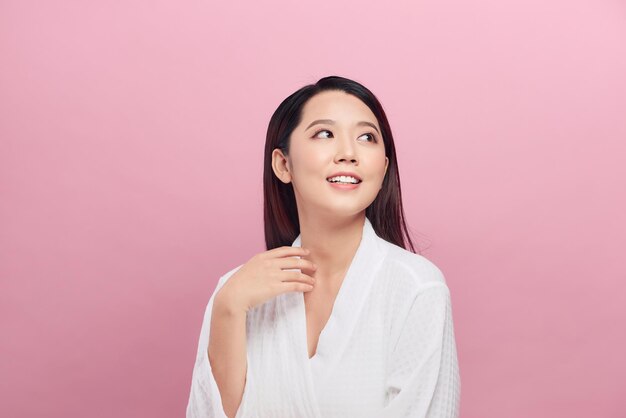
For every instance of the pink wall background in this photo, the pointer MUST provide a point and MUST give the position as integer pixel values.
(131, 143)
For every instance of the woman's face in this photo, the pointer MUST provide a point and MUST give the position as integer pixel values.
(338, 133)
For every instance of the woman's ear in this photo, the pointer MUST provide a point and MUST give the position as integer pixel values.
(280, 166)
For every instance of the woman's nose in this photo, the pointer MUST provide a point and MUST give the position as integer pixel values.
(346, 150)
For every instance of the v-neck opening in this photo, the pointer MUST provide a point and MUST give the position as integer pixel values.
(338, 297)
(344, 312)
(324, 328)
(336, 301)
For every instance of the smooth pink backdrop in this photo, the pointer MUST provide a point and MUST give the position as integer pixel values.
(131, 157)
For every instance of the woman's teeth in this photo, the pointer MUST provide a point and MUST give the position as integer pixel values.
(343, 180)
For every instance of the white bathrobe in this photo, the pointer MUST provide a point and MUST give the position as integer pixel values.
(387, 351)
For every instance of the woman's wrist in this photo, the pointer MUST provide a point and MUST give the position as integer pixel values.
(227, 304)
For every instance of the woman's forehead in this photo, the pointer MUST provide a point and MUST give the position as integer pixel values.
(338, 107)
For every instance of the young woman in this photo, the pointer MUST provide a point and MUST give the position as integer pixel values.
(337, 318)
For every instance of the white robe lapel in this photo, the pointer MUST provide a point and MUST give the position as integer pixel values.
(336, 334)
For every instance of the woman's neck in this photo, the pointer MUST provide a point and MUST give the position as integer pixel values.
(332, 245)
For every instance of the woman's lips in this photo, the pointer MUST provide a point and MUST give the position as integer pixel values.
(344, 186)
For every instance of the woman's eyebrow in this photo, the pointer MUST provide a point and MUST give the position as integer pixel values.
(332, 122)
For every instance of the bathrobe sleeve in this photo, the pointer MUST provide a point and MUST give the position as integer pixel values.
(204, 398)
(423, 378)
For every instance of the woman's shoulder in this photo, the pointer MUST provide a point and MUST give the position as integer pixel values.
(413, 270)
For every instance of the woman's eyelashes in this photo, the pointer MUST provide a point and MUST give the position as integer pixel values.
(372, 136)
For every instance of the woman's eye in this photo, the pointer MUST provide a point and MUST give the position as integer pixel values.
(323, 130)
(372, 137)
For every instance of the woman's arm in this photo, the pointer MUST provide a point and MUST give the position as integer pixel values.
(205, 400)
(223, 385)
(227, 352)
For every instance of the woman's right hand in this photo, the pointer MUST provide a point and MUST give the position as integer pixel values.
(264, 277)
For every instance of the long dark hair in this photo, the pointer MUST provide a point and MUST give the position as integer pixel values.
(280, 212)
